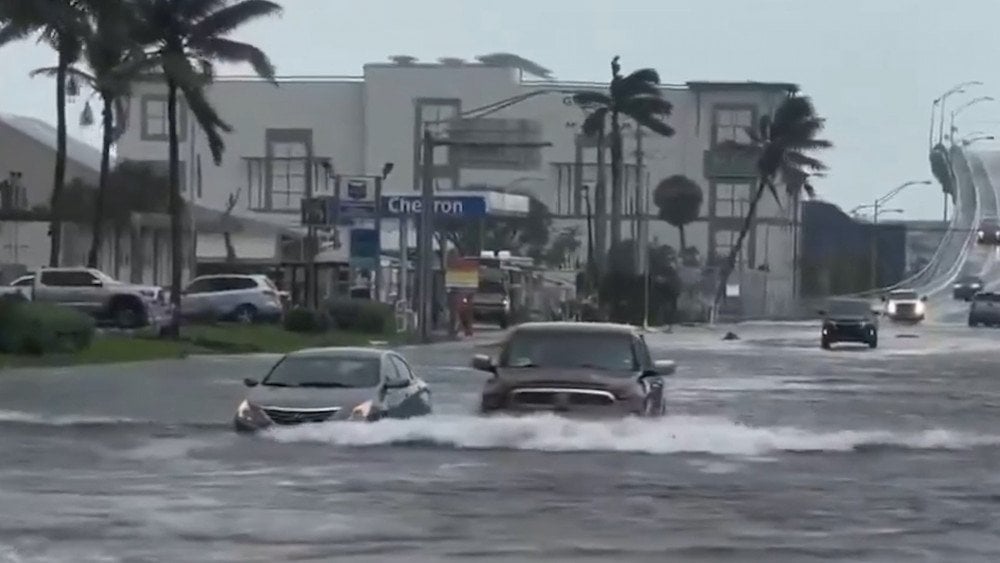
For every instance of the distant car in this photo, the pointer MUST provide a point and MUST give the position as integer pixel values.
(333, 384)
(233, 297)
(985, 309)
(904, 305)
(966, 286)
(849, 320)
(19, 289)
(989, 231)
(574, 368)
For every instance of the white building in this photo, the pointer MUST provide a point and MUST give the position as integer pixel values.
(288, 138)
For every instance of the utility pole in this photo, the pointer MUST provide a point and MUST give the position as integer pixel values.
(874, 252)
(425, 237)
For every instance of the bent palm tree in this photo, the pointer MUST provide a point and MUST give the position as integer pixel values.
(60, 24)
(113, 62)
(638, 97)
(187, 37)
(782, 144)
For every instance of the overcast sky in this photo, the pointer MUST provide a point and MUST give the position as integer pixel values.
(872, 66)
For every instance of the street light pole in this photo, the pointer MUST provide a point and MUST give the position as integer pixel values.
(962, 108)
(958, 89)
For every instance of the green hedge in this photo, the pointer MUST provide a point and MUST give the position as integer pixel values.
(361, 315)
(43, 328)
(301, 319)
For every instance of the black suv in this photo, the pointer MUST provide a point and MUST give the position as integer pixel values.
(849, 320)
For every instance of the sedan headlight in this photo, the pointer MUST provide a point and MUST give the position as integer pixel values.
(244, 411)
(981, 234)
(362, 411)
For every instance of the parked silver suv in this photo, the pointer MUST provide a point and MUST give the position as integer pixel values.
(232, 297)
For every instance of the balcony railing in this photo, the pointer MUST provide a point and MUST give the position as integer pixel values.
(278, 184)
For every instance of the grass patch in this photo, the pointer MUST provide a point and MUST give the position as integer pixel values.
(198, 339)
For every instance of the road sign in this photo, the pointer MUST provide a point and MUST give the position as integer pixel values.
(455, 206)
(364, 248)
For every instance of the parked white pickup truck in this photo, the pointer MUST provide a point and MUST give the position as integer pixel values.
(18, 289)
(95, 293)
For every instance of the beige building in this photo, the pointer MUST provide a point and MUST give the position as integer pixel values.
(293, 139)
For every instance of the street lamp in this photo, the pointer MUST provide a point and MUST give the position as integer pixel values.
(877, 210)
(962, 108)
(943, 100)
(968, 141)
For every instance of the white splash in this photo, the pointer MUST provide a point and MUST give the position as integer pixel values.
(672, 434)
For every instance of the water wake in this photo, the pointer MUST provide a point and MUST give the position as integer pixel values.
(673, 434)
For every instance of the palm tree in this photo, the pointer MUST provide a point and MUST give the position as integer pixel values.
(60, 23)
(186, 38)
(782, 144)
(679, 201)
(638, 97)
(113, 62)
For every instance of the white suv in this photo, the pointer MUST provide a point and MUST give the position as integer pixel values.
(233, 297)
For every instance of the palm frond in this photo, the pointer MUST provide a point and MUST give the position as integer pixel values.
(800, 160)
(591, 99)
(231, 51)
(229, 18)
(52, 72)
(646, 105)
(12, 31)
(654, 125)
(191, 85)
(792, 111)
(595, 122)
(643, 82)
(808, 144)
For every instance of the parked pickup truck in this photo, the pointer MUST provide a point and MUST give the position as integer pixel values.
(19, 289)
(94, 292)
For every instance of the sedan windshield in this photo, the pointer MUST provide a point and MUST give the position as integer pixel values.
(325, 371)
(611, 352)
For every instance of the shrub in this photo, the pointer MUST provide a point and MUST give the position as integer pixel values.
(43, 328)
(361, 315)
(301, 319)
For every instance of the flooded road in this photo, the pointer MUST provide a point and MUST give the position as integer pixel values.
(773, 450)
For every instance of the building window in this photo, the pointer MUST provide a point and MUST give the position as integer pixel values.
(731, 124)
(288, 175)
(732, 199)
(155, 126)
(437, 116)
(725, 240)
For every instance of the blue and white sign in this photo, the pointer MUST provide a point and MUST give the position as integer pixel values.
(455, 206)
(364, 248)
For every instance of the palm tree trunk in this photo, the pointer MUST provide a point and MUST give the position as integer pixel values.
(600, 210)
(735, 251)
(176, 242)
(97, 226)
(59, 181)
(680, 229)
(616, 180)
